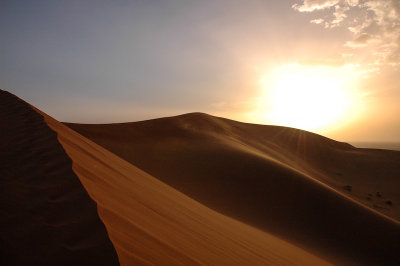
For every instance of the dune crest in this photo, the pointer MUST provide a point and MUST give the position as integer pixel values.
(270, 194)
(47, 217)
(315, 192)
(150, 222)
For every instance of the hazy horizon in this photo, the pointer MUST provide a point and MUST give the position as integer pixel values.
(330, 67)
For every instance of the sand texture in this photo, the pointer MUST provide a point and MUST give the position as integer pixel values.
(52, 178)
(330, 198)
(191, 189)
(46, 215)
(150, 222)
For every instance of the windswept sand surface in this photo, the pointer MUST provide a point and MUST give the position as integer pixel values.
(334, 200)
(150, 222)
(47, 217)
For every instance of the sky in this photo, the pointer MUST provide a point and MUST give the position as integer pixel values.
(327, 66)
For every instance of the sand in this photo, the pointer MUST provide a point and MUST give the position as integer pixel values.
(191, 189)
(330, 198)
(150, 222)
(46, 215)
(47, 173)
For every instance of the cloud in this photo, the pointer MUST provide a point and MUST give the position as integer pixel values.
(361, 41)
(312, 5)
(373, 23)
(317, 21)
(339, 14)
(352, 2)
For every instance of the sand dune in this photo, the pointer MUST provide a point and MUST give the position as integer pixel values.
(274, 195)
(149, 221)
(332, 199)
(48, 218)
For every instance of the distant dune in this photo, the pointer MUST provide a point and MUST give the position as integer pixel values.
(330, 198)
(378, 145)
(47, 172)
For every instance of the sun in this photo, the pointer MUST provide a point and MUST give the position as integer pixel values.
(307, 97)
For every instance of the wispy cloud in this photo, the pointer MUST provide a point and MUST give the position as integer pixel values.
(312, 5)
(317, 21)
(373, 23)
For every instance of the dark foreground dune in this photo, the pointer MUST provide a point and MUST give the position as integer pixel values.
(334, 200)
(47, 217)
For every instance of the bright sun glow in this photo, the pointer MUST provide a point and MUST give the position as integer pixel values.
(308, 97)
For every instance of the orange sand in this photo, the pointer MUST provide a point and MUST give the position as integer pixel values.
(285, 181)
(150, 222)
(302, 188)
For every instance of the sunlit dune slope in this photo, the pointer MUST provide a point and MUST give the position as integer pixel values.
(303, 187)
(150, 222)
(46, 215)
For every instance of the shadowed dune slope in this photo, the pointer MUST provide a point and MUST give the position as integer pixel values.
(150, 222)
(46, 215)
(321, 194)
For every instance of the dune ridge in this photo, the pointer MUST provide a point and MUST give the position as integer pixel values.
(46, 215)
(49, 219)
(150, 222)
(325, 196)
(266, 186)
